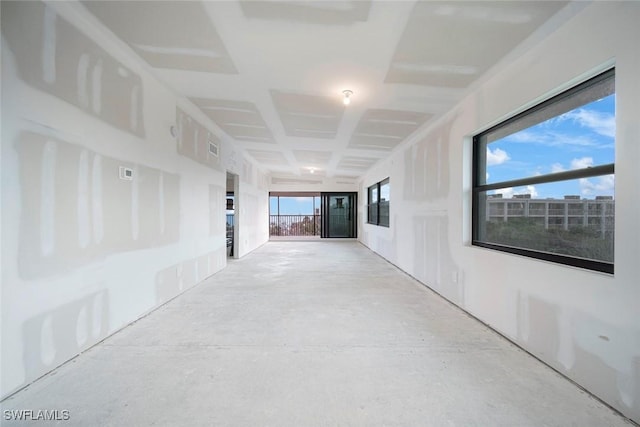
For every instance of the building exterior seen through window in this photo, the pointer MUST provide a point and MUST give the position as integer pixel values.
(544, 179)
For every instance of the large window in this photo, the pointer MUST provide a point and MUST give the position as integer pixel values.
(378, 203)
(544, 179)
(294, 214)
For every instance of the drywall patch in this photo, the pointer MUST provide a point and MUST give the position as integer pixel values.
(426, 171)
(217, 209)
(543, 328)
(55, 57)
(615, 373)
(433, 262)
(173, 280)
(47, 343)
(167, 285)
(52, 337)
(189, 273)
(203, 268)
(593, 373)
(76, 209)
(193, 141)
(82, 327)
(247, 172)
(175, 35)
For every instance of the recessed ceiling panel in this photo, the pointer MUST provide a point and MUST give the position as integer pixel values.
(451, 44)
(313, 12)
(316, 173)
(240, 120)
(312, 157)
(166, 34)
(308, 116)
(269, 157)
(356, 163)
(385, 129)
(295, 180)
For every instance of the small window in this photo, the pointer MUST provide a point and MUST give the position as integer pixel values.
(378, 203)
(544, 179)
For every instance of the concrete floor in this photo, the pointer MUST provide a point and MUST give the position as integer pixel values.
(310, 334)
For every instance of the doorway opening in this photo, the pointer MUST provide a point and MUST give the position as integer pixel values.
(232, 217)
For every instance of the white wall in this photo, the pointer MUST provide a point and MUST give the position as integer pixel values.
(584, 324)
(84, 253)
(252, 208)
(318, 184)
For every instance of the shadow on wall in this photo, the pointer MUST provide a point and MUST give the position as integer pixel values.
(55, 57)
(76, 208)
(433, 263)
(51, 338)
(588, 357)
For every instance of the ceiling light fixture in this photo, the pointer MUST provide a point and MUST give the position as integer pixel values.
(347, 97)
(312, 170)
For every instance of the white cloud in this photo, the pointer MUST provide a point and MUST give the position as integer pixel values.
(507, 193)
(604, 186)
(531, 189)
(581, 163)
(496, 157)
(557, 167)
(555, 139)
(601, 123)
(526, 136)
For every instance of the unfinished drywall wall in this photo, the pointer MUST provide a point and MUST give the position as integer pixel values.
(53, 56)
(252, 198)
(105, 213)
(583, 323)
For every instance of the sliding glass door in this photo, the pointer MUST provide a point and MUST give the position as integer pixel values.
(339, 215)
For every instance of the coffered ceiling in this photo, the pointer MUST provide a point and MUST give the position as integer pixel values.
(270, 74)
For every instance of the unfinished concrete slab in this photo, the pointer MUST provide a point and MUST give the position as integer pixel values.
(305, 334)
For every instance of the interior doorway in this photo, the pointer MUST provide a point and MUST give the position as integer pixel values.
(232, 211)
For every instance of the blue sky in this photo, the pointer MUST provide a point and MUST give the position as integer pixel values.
(579, 138)
(293, 205)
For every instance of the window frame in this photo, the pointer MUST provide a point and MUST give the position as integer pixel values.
(479, 185)
(375, 206)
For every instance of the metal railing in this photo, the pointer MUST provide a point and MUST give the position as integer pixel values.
(294, 225)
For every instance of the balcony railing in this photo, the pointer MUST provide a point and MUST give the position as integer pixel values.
(294, 225)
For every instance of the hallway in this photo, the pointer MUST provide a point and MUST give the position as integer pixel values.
(305, 334)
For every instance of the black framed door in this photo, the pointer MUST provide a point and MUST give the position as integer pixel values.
(339, 215)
